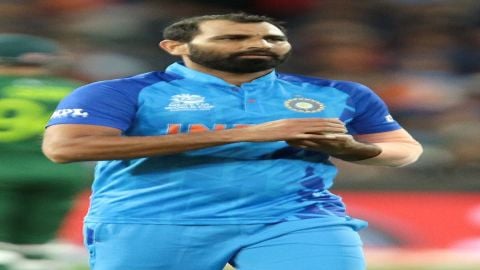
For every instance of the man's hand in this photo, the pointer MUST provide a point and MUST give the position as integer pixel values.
(294, 129)
(327, 135)
(342, 146)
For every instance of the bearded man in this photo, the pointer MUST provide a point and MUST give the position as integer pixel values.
(220, 159)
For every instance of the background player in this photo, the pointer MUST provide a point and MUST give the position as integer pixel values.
(34, 193)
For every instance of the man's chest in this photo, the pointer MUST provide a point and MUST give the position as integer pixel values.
(188, 109)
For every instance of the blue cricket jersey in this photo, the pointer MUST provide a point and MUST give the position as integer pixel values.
(238, 183)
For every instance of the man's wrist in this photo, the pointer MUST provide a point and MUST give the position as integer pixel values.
(360, 151)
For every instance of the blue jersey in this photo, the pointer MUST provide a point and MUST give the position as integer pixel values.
(238, 183)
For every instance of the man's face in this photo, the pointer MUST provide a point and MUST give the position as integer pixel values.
(238, 47)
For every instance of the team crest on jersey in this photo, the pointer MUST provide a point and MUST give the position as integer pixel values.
(304, 105)
(187, 102)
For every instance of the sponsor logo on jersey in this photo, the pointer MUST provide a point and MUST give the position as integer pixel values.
(69, 113)
(187, 102)
(304, 105)
(389, 118)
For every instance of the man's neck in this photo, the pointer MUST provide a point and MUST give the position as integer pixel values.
(233, 78)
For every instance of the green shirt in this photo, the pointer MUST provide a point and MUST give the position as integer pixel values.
(26, 104)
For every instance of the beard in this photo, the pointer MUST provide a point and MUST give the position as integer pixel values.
(234, 63)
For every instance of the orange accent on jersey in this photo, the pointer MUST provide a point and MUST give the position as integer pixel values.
(173, 128)
(219, 127)
(197, 128)
(176, 128)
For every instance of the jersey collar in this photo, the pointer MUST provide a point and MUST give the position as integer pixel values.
(179, 68)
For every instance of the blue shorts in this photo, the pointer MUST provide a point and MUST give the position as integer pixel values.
(312, 244)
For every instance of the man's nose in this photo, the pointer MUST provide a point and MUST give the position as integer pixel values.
(259, 43)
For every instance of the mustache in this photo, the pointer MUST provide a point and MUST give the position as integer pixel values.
(255, 52)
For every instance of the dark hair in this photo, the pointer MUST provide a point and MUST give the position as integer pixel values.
(186, 29)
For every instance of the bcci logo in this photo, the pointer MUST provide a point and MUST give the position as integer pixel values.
(304, 105)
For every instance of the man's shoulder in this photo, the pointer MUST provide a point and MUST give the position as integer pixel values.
(146, 78)
(342, 85)
(133, 83)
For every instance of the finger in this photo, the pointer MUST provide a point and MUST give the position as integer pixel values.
(331, 137)
(299, 144)
(320, 121)
(309, 136)
(325, 128)
(329, 125)
(317, 125)
(337, 120)
(336, 130)
(306, 144)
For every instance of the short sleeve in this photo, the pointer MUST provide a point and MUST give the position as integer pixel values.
(101, 103)
(371, 113)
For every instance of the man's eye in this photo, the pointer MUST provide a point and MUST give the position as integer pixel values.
(274, 39)
(231, 38)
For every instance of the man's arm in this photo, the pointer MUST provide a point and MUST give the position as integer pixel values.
(74, 142)
(393, 148)
(399, 148)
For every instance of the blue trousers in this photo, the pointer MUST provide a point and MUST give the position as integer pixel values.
(329, 243)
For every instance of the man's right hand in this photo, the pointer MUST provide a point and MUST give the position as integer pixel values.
(294, 129)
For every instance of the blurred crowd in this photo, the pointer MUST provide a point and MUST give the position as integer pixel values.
(422, 57)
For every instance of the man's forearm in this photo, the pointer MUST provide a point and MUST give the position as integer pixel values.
(97, 147)
(398, 148)
(394, 154)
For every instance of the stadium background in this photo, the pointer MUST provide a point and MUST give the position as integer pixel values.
(421, 56)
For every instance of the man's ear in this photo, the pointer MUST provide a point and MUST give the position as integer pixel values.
(174, 47)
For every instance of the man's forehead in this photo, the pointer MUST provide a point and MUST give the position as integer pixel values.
(224, 27)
